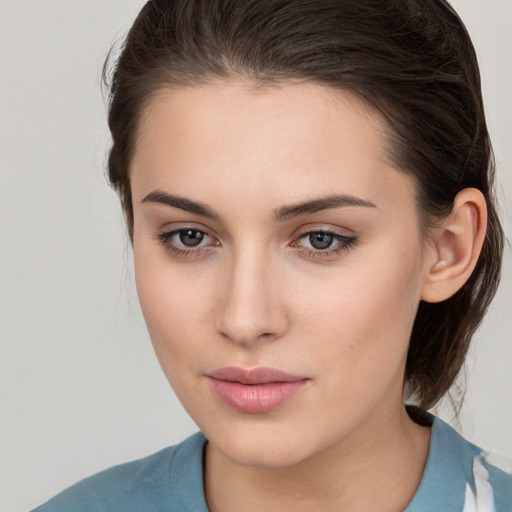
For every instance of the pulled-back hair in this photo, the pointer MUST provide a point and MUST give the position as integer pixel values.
(411, 60)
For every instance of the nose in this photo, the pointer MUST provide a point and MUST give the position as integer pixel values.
(252, 308)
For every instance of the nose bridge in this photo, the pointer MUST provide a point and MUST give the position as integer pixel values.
(251, 307)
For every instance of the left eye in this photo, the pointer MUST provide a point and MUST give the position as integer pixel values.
(325, 241)
(320, 240)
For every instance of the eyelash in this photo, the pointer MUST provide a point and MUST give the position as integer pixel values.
(344, 243)
(166, 240)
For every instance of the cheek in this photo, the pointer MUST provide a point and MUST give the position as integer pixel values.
(173, 304)
(355, 332)
(363, 313)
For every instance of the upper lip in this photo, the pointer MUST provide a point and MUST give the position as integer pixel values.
(254, 376)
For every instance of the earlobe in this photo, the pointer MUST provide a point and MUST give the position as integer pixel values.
(456, 247)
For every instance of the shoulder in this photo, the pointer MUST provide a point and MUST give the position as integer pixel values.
(494, 473)
(488, 477)
(171, 475)
(460, 476)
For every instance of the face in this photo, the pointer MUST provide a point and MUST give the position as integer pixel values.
(270, 231)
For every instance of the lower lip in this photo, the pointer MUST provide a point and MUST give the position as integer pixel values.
(255, 398)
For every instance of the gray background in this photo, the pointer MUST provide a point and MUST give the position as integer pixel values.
(80, 388)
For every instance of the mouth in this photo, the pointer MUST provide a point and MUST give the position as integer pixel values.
(255, 391)
(260, 375)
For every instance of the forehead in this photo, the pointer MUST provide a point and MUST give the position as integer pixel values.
(275, 141)
(304, 107)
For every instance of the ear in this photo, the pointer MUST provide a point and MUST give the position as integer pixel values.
(457, 243)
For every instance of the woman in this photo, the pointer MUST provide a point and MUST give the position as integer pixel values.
(308, 188)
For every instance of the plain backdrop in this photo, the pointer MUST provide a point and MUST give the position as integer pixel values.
(80, 388)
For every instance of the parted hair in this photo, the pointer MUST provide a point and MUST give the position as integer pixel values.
(411, 60)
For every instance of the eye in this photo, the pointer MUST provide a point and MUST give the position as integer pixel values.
(320, 240)
(324, 243)
(186, 241)
(190, 237)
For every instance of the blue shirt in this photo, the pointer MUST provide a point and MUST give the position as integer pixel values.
(458, 477)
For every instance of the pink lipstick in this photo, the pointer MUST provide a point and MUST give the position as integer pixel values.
(254, 391)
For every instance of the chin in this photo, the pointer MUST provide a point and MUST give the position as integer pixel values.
(253, 446)
(270, 455)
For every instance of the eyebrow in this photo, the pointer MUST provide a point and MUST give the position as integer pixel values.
(281, 214)
(158, 196)
(322, 203)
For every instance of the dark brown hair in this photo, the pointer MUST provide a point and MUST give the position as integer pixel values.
(412, 60)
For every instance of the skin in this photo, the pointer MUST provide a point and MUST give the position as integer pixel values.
(256, 293)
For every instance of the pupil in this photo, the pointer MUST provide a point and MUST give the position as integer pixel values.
(321, 240)
(191, 237)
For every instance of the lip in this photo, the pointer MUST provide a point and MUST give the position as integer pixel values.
(261, 375)
(255, 391)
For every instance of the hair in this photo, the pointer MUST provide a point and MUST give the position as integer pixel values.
(411, 60)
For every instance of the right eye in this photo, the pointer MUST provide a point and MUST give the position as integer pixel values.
(186, 240)
(190, 237)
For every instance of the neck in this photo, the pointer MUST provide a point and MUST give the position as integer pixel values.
(384, 457)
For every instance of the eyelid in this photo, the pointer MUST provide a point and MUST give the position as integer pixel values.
(179, 231)
(175, 227)
(165, 238)
(344, 242)
(323, 228)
